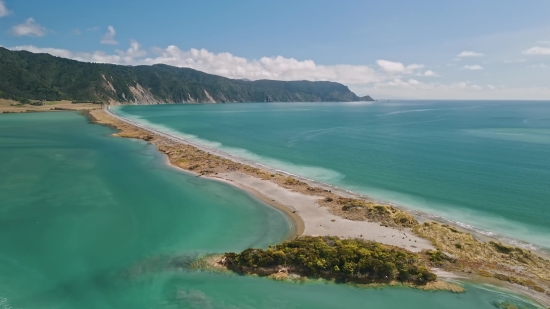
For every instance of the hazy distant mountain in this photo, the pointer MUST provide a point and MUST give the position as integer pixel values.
(25, 75)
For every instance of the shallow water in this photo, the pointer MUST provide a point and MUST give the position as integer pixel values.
(483, 163)
(92, 221)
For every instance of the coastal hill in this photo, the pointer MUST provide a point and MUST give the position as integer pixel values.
(29, 76)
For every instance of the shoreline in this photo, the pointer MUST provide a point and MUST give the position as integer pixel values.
(295, 220)
(300, 215)
(421, 216)
(298, 225)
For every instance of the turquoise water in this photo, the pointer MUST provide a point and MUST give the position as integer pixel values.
(481, 163)
(92, 221)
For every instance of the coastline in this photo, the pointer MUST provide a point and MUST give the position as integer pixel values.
(318, 220)
(419, 215)
(296, 221)
(285, 199)
(14, 107)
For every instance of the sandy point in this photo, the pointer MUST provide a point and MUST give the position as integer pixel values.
(315, 220)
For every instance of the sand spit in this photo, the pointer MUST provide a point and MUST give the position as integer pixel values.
(327, 211)
(319, 221)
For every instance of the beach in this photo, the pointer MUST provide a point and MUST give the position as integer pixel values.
(318, 221)
(310, 218)
(304, 204)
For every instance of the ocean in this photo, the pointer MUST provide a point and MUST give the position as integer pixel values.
(88, 220)
(482, 164)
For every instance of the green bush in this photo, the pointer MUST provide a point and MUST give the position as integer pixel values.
(331, 256)
(502, 248)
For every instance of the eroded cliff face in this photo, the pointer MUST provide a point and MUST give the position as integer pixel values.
(141, 95)
(144, 96)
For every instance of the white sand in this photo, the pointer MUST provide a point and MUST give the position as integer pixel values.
(445, 274)
(318, 220)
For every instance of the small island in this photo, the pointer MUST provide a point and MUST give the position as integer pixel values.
(352, 261)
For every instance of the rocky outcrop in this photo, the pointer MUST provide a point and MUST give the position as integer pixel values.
(143, 96)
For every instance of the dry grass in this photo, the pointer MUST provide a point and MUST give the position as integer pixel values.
(10, 106)
(362, 210)
(487, 259)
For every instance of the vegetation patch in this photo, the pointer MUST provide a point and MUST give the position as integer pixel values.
(504, 249)
(487, 259)
(344, 260)
(363, 210)
(507, 305)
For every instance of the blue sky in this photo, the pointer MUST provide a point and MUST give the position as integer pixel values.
(388, 49)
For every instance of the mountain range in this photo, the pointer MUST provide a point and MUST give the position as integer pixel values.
(29, 76)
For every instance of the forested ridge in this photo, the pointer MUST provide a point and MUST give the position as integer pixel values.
(29, 76)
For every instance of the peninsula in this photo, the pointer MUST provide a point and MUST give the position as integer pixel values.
(321, 213)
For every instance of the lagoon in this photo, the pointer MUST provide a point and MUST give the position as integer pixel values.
(93, 221)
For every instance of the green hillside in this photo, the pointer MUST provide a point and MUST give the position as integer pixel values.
(25, 75)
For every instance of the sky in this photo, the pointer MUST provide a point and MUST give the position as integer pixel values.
(391, 49)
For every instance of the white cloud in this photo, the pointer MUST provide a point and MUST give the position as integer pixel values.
(429, 73)
(76, 31)
(134, 51)
(226, 64)
(398, 67)
(390, 66)
(279, 67)
(3, 9)
(128, 57)
(537, 50)
(29, 28)
(398, 85)
(539, 66)
(460, 90)
(474, 67)
(470, 54)
(360, 78)
(543, 42)
(514, 61)
(109, 37)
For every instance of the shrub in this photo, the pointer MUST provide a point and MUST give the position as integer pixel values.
(501, 248)
(331, 256)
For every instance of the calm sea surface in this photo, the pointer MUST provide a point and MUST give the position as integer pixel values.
(481, 163)
(92, 221)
